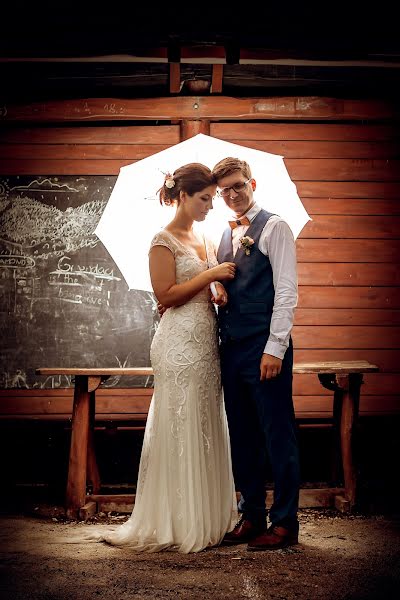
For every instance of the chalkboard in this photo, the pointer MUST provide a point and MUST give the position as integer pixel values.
(63, 301)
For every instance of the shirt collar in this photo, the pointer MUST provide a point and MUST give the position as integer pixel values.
(251, 213)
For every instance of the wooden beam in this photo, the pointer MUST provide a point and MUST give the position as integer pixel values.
(309, 498)
(203, 54)
(87, 511)
(192, 128)
(174, 78)
(217, 79)
(213, 108)
(288, 57)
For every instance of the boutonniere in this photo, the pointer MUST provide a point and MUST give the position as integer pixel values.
(246, 242)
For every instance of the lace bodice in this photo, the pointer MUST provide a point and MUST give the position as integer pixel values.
(188, 263)
(186, 336)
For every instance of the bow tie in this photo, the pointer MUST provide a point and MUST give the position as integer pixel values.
(238, 222)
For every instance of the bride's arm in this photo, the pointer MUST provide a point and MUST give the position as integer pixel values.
(163, 279)
(218, 291)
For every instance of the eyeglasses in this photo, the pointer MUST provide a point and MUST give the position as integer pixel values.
(238, 187)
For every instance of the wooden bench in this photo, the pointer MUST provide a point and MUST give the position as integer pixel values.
(343, 378)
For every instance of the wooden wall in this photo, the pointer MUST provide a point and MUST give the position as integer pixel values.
(344, 159)
(347, 176)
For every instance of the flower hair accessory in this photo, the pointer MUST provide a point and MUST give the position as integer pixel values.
(169, 181)
(246, 242)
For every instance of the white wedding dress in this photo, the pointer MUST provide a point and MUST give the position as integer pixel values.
(185, 498)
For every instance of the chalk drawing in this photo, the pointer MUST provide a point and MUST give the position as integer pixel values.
(63, 301)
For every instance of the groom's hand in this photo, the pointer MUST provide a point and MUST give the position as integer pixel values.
(221, 298)
(270, 366)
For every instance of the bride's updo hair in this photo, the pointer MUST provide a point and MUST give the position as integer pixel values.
(190, 178)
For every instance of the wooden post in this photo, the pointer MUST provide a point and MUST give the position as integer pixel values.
(346, 388)
(330, 382)
(76, 486)
(350, 385)
(191, 128)
(336, 463)
(92, 469)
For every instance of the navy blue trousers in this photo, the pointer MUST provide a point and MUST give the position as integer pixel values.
(261, 424)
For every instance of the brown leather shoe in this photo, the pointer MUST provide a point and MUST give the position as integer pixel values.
(243, 532)
(274, 538)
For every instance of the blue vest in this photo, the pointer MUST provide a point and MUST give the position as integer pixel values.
(251, 293)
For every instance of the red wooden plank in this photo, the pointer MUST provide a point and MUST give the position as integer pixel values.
(324, 149)
(297, 154)
(167, 108)
(130, 134)
(341, 336)
(355, 250)
(321, 407)
(347, 316)
(375, 384)
(348, 189)
(347, 226)
(68, 392)
(81, 152)
(306, 406)
(62, 167)
(383, 405)
(28, 405)
(45, 405)
(305, 131)
(333, 137)
(138, 419)
(347, 169)
(303, 385)
(353, 206)
(352, 274)
(347, 297)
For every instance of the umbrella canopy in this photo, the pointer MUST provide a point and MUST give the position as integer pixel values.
(133, 213)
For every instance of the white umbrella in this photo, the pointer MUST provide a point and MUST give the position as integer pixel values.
(133, 213)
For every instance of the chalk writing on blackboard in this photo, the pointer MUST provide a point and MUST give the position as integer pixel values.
(63, 301)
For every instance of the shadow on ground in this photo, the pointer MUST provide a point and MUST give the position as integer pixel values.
(339, 557)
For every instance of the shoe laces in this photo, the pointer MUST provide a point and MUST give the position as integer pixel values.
(240, 522)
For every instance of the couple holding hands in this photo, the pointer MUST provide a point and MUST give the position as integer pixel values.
(222, 404)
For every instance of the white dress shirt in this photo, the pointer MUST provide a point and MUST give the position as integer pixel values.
(277, 242)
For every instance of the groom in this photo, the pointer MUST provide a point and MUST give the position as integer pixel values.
(257, 361)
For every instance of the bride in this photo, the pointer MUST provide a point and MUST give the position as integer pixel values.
(185, 498)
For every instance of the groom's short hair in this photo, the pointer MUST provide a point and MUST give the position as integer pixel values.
(228, 165)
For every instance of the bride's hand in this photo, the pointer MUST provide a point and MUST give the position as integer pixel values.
(221, 298)
(161, 309)
(225, 270)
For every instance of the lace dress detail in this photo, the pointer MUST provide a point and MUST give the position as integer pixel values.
(185, 498)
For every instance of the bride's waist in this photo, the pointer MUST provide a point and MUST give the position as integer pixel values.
(198, 303)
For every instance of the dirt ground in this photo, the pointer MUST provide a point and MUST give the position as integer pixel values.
(339, 557)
